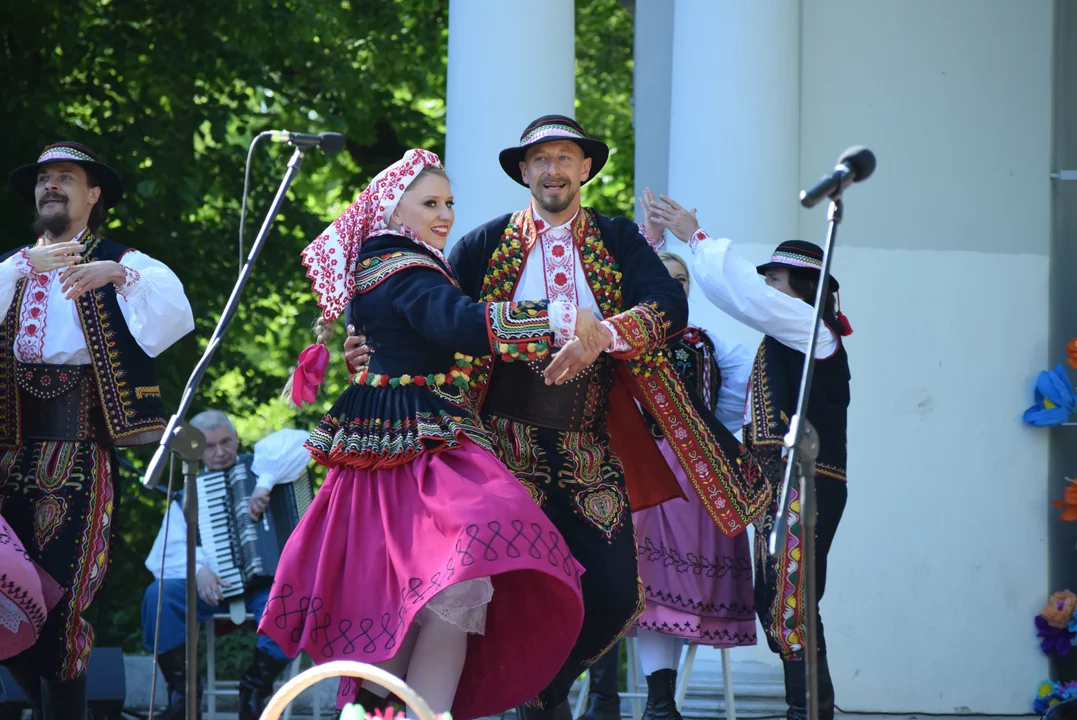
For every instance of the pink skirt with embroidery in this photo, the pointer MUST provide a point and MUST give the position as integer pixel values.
(27, 593)
(698, 581)
(379, 548)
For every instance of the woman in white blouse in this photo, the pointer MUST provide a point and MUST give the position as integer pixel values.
(776, 299)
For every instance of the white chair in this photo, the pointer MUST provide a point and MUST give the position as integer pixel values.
(215, 688)
(637, 690)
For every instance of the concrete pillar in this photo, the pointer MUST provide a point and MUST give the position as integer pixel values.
(510, 61)
(651, 94)
(734, 128)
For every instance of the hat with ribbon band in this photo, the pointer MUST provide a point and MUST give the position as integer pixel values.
(24, 178)
(803, 254)
(331, 258)
(552, 128)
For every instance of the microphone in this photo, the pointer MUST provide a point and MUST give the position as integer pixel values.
(330, 142)
(855, 164)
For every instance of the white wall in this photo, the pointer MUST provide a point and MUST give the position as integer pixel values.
(944, 260)
(940, 564)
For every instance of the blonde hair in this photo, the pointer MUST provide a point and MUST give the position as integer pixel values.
(666, 256)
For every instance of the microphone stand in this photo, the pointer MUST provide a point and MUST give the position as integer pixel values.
(187, 441)
(802, 441)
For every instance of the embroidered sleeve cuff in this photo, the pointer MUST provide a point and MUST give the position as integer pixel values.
(640, 328)
(697, 237)
(657, 243)
(618, 345)
(130, 281)
(21, 264)
(562, 322)
(520, 330)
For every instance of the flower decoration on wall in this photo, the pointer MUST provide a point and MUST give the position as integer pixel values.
(1071, 352)
(1053, 624)
(1054, 398)
(1068, 503)
(1051, 693)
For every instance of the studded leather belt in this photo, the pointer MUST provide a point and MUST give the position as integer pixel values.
(59, 402)
(519, 392)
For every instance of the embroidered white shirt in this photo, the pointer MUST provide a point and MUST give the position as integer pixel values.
(553, 270)
(152, 303)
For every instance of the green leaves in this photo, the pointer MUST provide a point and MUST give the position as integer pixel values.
(171, 94)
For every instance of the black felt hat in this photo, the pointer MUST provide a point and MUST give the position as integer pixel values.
(551, 128)
(24, 178)
(797, 254)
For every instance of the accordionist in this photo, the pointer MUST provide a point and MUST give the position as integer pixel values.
(278, 459)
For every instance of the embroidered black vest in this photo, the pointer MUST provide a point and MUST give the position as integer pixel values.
(123, 373)
(695, 359)
(775, 384)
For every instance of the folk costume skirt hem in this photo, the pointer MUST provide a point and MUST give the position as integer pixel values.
(377, 547)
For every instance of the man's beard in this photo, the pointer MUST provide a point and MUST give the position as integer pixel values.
(556, 205)
(53, 224)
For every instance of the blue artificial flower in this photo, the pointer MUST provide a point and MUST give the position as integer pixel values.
(1055, 399)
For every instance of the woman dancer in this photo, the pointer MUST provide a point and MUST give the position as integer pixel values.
(421, 552)
(776, 299)
(27, 593)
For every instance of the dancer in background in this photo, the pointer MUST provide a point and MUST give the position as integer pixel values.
(698, 581)
(776, 298)
(83, 320)
(421, 552)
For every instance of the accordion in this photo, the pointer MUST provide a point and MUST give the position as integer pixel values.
(246, 552)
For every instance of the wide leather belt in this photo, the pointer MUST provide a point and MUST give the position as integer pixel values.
(59, 402)
(519, 392)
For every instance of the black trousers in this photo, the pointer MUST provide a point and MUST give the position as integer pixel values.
(780, 580)
(580, 486)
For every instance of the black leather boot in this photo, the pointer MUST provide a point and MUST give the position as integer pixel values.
(63, 699)
(603, 700)
(661, 696)
(173, 666)
(256, 687)
(561, 711)
(796, 690)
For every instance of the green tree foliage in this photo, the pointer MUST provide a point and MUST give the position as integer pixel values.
(171, 94)
(604, 42)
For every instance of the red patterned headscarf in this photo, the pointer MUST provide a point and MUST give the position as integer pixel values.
(330, 260)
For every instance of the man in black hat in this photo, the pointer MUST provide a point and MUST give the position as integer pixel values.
(83, 318)
(776, 298)
(570, 429)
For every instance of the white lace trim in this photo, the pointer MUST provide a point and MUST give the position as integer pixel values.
(462, 605)
(12, 616)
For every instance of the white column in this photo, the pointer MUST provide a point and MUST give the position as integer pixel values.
(734, 128)
(734, 149)
(653, 68)
(510, 62)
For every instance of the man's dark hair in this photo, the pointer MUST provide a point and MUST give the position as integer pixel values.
(99, 214)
